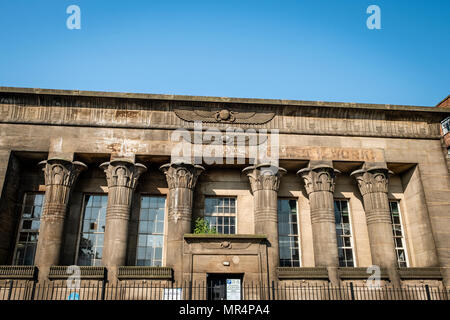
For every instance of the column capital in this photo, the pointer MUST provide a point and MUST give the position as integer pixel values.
(60, 176)
(318, 178)
(372, 180)
(181, 175)
(61, 172)
(264, 177)
(122, 173)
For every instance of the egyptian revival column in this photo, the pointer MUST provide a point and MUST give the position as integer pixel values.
(319, 185)
(265, 182)
(373, 184)
(181, 180)
(60, 176)
(122, 177)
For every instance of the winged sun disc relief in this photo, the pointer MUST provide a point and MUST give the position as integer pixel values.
(225, 115)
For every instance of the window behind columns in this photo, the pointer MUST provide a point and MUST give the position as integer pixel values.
(220, 212)
(29, 224)
(397, 229)
(344, 233)
(288, 233)
(90, 250)
(151, 231)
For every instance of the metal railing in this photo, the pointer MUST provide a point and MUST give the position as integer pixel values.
(101, 290)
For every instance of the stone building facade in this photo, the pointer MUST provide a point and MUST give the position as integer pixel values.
(87, 178)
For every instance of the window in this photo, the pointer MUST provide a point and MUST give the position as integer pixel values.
(445, 125)
(288, 233)
(343, 233)
(221, 214)
(151, 231)
(28, 229)
(397, 230)
(93, 230)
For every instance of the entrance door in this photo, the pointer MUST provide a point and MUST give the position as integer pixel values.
(224, 286)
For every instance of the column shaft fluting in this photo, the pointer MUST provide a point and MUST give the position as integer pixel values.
(60, 176)
(265, 182)
(319, 185)
(373, 185)
(181, 180)
(122, 177)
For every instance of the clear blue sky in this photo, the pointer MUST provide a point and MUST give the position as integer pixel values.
(306, 50)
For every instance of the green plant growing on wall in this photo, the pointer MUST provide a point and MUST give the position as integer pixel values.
(202, 227)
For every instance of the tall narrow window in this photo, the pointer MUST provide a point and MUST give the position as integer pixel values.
(397, 229)
(288, 233)
(343, 233)
(151, 231)
(221, 214)
(28, 229)
(93, 229)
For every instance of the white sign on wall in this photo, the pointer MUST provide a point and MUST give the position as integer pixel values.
(233, 289)
(173, 294)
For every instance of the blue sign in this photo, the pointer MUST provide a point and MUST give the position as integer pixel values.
(73, 296)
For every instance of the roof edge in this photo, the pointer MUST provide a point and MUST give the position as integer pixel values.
(279, 102)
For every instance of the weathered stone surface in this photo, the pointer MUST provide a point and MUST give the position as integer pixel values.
(153, 111)
(373, 184)
(122, 176)
(245, 254)
(181, 179)
(265, 182)
(60, 176)
(319, 184)
(92, 127)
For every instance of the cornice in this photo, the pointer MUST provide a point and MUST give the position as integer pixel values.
(171, 97)
(149, 111)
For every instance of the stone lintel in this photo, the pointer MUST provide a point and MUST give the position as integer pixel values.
(205, 236)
